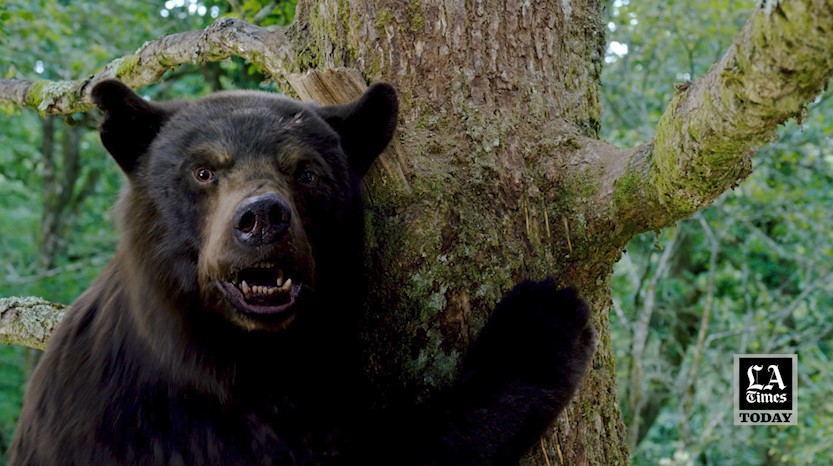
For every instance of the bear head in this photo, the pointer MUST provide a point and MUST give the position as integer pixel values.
(244, 204)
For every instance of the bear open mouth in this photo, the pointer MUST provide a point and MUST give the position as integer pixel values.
(261, 289)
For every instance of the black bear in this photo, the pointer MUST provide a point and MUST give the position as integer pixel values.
(223, 332)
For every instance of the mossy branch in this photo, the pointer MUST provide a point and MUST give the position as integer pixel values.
(28, 321)
(269, 49)
(704, 142)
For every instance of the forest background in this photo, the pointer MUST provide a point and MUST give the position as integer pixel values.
(751, 274)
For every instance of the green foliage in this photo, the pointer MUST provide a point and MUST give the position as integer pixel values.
(21, 187)
(11, 379)
(264, 12)
(753, 272)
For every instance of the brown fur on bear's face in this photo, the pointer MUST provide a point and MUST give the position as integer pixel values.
(226, 152)
(250, 194)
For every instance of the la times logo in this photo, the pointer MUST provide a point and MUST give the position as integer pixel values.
(765, 389)
(756, 393)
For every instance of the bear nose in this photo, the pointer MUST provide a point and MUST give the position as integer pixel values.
(261, 219)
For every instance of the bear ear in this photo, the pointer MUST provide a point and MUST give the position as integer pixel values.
(365, 125)
(130, 122)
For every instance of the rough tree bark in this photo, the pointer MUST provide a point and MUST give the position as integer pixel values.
(498, 173)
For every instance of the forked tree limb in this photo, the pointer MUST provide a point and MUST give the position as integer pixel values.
(269, 49)
(704, 143)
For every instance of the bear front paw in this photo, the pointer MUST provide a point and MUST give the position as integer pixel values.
(537, 333)
(539, 307)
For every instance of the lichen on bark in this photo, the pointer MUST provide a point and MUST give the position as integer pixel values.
(28, 321)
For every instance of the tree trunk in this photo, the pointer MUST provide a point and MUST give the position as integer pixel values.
(497, 97)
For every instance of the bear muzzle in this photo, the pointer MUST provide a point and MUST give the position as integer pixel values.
(262, 263)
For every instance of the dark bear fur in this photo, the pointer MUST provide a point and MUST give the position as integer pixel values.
(172, 358)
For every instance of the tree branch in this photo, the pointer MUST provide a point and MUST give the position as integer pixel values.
(703, 146)
(269, 49)
(28, 321)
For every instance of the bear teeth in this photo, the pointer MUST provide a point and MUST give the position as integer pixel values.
(250, 291)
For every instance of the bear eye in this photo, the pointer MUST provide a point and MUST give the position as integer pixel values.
(308, 178)
(203, 175)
